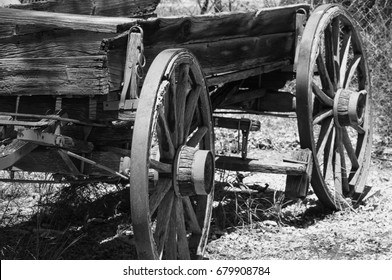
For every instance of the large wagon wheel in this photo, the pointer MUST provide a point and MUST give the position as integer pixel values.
(172, 160)
(334, 105)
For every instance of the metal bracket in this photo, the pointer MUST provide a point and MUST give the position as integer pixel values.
(245, 137)
(53, 140)
(127, 105)
(133, 73)
(301, 17)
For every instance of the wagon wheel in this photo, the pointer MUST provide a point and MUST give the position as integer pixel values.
(172, 160)
(334, 105)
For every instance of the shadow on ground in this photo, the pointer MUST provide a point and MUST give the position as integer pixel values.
(237, 205)
(76, 226)
(83, 223)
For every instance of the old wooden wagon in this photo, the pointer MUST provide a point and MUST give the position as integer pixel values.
(114, 98)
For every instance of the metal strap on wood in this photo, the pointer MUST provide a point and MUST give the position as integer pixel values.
(301, 17)
(133, 73)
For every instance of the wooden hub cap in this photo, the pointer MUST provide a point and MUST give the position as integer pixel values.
(349, 107)
(194, 171)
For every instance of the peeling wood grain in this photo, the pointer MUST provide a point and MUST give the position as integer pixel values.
(54, 76)
(116, 8)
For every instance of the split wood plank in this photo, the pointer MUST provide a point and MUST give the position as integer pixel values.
(87, 75)
(63, 20)
(115, 8)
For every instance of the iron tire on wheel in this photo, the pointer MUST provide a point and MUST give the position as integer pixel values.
(172, 160)
(334, 105)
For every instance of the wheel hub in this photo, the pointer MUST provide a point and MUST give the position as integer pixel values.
(349, 107)
(193, 171)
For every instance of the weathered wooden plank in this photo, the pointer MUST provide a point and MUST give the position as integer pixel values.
(297, 186)
(269, 101)
(52, 43)
(237, 123)
(7, 29)
(63, 20)
(253, 165)
(218, 57)
(209, 28)
(241, 74)
(87, 75)
(76, 107)
(96, 7)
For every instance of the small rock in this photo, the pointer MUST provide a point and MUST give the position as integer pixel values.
(387, 151)
(270, 223)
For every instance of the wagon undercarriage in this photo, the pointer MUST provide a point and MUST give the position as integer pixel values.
(141, 107)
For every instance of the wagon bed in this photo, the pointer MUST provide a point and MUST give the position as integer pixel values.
(44, 67)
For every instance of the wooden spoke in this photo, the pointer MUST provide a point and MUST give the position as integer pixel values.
(191, 105)
(329, 153)
(322, 116)
(324, 98)
(183, 89)
(194, 226)
(330, 55)
(351, 71)
(324, 136)
(343, 171)
(166, 144)
(336, 44)
(160, 166)
(359, 129)
(197, 136)
(162, 222)
(171, 108)
(324, 76)
(182, 241)
(349, 149)
(171, 245)
(163, 186)
(338, 173)
(325, 131)
(344, 59)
